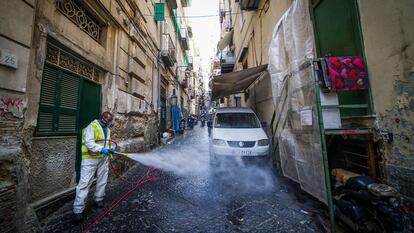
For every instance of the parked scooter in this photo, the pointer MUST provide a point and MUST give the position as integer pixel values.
(182, 126)
(190, 122)
(366, 206)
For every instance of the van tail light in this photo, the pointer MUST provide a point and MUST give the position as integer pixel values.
(406, 210)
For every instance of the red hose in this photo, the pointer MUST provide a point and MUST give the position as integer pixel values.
(144, 179)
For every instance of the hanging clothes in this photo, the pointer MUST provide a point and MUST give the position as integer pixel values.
(345, 73)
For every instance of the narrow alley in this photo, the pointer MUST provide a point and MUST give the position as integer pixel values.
(213, 116)
(198, 202)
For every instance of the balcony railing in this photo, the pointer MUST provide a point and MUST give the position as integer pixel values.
(227, 61)
(168, 50)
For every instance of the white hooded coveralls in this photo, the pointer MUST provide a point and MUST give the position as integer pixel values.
(88, 168)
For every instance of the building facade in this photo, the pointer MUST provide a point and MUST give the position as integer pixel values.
(63, 62)
(389, 103)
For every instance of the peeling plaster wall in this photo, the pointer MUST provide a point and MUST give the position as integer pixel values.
(389, 47)
(13, 104)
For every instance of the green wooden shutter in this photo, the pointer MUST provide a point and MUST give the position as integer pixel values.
(159, 11)
(68, 103)
(337, 28)
(59, 103)
(47, 105)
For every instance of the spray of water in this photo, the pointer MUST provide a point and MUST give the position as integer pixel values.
(190, 156)
(188, 162)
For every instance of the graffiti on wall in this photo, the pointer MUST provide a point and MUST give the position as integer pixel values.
(11, 105)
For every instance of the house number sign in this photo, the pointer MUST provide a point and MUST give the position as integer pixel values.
(8, 59)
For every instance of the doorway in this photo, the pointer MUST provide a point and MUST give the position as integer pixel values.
(90, 109)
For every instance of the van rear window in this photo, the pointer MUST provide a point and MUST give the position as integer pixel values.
(236, 120)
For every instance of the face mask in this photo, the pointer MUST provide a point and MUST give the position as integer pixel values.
(106, 121)
(109, 124)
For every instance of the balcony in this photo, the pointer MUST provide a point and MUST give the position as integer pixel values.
(185, 42)
(168, 50)
(227, 61)
(249, 5)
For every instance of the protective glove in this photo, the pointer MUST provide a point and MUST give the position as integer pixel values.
(105, 151)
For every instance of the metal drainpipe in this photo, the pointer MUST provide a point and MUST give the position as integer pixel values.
(159, 76)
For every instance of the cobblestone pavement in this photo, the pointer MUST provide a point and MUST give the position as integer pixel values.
(196, 203)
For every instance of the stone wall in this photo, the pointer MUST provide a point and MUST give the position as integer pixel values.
(52, 166)
(136, 132)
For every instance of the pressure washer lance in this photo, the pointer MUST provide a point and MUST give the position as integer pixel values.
(118, 153)
(112, 151)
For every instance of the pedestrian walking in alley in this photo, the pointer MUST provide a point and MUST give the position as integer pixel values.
(95, 153)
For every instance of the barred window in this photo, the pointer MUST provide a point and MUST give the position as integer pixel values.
(80, 16)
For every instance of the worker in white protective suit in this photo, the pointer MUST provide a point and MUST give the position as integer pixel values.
(96, 150)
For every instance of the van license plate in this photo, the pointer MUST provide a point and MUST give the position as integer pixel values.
(245, 152)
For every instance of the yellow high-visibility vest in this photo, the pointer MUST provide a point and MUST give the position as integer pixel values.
(99, 137)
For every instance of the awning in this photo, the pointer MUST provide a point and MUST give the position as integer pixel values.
(225, 41)
(235, 82)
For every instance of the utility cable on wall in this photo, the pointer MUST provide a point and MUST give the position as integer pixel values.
(199, 16)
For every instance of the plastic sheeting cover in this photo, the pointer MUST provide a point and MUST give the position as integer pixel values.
(297, 130)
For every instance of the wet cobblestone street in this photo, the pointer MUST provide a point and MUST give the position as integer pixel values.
(196, 203)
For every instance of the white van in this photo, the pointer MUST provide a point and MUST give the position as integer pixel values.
(237, 132)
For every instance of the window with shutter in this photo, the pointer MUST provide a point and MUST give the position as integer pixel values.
(59, 103)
